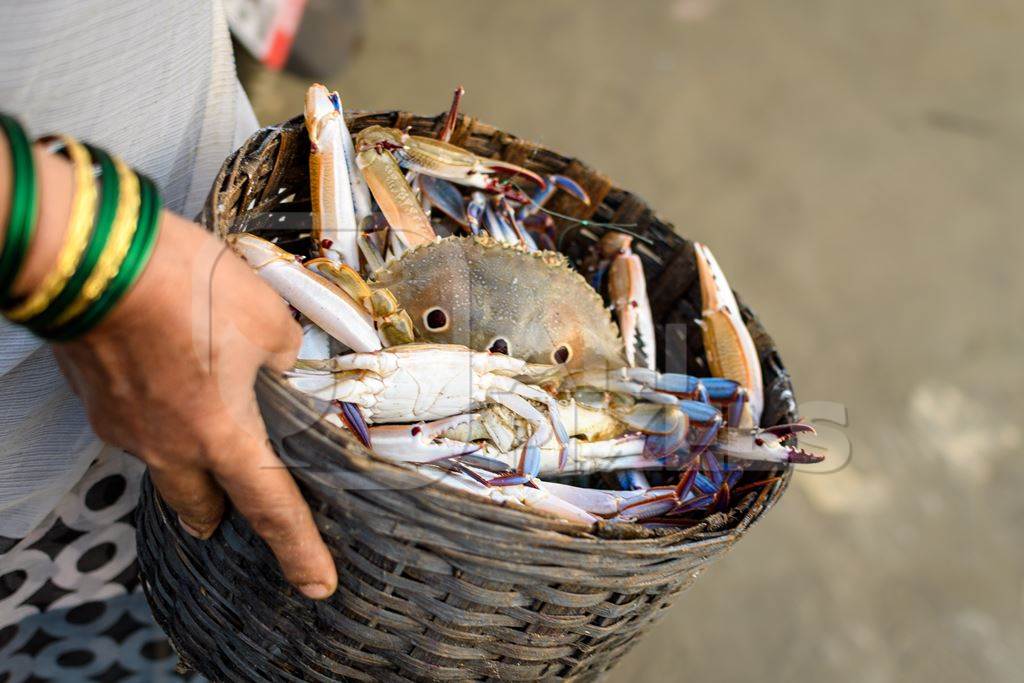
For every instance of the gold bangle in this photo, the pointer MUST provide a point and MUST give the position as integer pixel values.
(121, 233)
(83, 213)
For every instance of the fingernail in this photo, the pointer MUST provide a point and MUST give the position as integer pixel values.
(194, 532)
(316, 591)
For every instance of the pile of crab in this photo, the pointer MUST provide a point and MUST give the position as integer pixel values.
(443, 336)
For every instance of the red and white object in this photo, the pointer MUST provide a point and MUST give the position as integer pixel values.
(266, 28)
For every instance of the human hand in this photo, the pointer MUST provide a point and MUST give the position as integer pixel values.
(169, 376)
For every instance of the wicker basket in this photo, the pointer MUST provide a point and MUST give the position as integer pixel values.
(433, 584)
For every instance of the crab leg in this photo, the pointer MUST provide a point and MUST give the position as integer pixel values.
(409, 224)
(582, 504)
(453, 112)
(727, 342)
(628, 290)
(632, 505)
(523, 237)
(335, 227)
(476, 212)
(318, 299)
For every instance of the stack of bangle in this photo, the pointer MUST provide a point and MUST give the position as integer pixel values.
(110, 236)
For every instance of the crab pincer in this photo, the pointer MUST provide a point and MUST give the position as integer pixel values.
(767, 444)
(728, 344)
(541, 196)
(317, 298)
(627, 288)
(333, 188)
(423, 442)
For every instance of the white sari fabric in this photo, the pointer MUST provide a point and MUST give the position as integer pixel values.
(153, 82)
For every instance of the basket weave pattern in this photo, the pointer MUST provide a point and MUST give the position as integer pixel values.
(434, 584)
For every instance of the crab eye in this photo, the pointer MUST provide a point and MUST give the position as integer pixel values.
(498, 345)
(435, 319)
(562, 354)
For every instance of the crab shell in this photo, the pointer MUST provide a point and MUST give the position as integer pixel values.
(489, 291)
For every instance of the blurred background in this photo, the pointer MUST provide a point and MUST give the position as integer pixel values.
(856, 167)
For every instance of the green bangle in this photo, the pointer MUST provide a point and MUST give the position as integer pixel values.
(109, 197)
(24, 208)
(134, 263)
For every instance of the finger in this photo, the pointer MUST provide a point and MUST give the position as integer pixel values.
(193, 494)
(262, 490)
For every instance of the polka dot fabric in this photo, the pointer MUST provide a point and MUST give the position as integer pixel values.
(71, 607)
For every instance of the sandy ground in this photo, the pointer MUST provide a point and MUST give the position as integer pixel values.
(856, 166)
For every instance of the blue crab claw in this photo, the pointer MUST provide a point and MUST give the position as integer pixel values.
(542, 195)
(762, 444)
(491, 175)
(445, 197)
(567, 184)
(423, 442)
